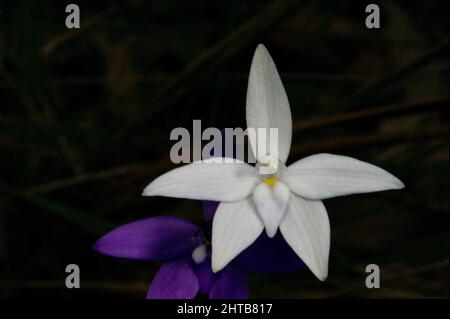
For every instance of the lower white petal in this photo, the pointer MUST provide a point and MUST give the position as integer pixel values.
(206, 180)
(236, 226)
(323, 176)
(306, 228)
(271, 203)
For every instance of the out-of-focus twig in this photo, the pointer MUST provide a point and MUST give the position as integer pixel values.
(169, 78)
(360, 287)
(66, 147)
(331, 144)
(139, 287)
(133, 169)
(109, 286)
(86, 25)
(82, 178)
(415, 107)
(46, 115)
(29, 148)
(90, 223)
(220, 52)
(387, 81)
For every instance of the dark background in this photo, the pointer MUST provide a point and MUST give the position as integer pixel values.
(85, 117)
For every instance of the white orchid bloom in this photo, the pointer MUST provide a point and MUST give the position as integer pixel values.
(289, 200)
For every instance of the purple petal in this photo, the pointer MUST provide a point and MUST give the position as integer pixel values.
(205, 276)
(209, 208)
(231, 283)
(269, 255)
(174, 280)
(156, 238)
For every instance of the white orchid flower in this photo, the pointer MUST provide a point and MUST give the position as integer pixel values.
(289, 200)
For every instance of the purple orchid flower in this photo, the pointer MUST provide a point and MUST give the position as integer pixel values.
(184, 249)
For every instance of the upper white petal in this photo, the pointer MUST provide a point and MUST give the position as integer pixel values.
(206, 180)
(267, 102)
(235, 227)
(306, 228)
(323, 176)
(271, 203)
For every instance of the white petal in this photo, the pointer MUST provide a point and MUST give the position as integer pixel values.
(306, 228)
(235, 227)
(323, 176)
(271, 203)
(267, 102)
(206, 180)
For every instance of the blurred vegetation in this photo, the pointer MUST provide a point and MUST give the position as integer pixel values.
(85, 117)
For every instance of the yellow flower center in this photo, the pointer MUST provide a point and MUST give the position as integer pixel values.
(270, 181)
